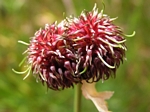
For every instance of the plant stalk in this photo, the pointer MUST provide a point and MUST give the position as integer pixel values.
(77, 98)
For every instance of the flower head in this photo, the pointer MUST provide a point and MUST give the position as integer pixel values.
(88, 48)
(99, 44)
(51, 58)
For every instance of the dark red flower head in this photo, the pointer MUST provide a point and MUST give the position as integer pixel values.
(89, 48)
(99, 45)
(50, 57)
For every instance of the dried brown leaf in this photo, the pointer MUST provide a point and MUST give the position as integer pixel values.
(98, 98)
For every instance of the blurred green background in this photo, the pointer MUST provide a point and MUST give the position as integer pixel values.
(19, 19)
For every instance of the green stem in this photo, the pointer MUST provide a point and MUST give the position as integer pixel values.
(77, 98)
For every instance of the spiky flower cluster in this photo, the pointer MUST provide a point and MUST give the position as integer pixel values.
(50, 57)
(88, 48)
(99, 43)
